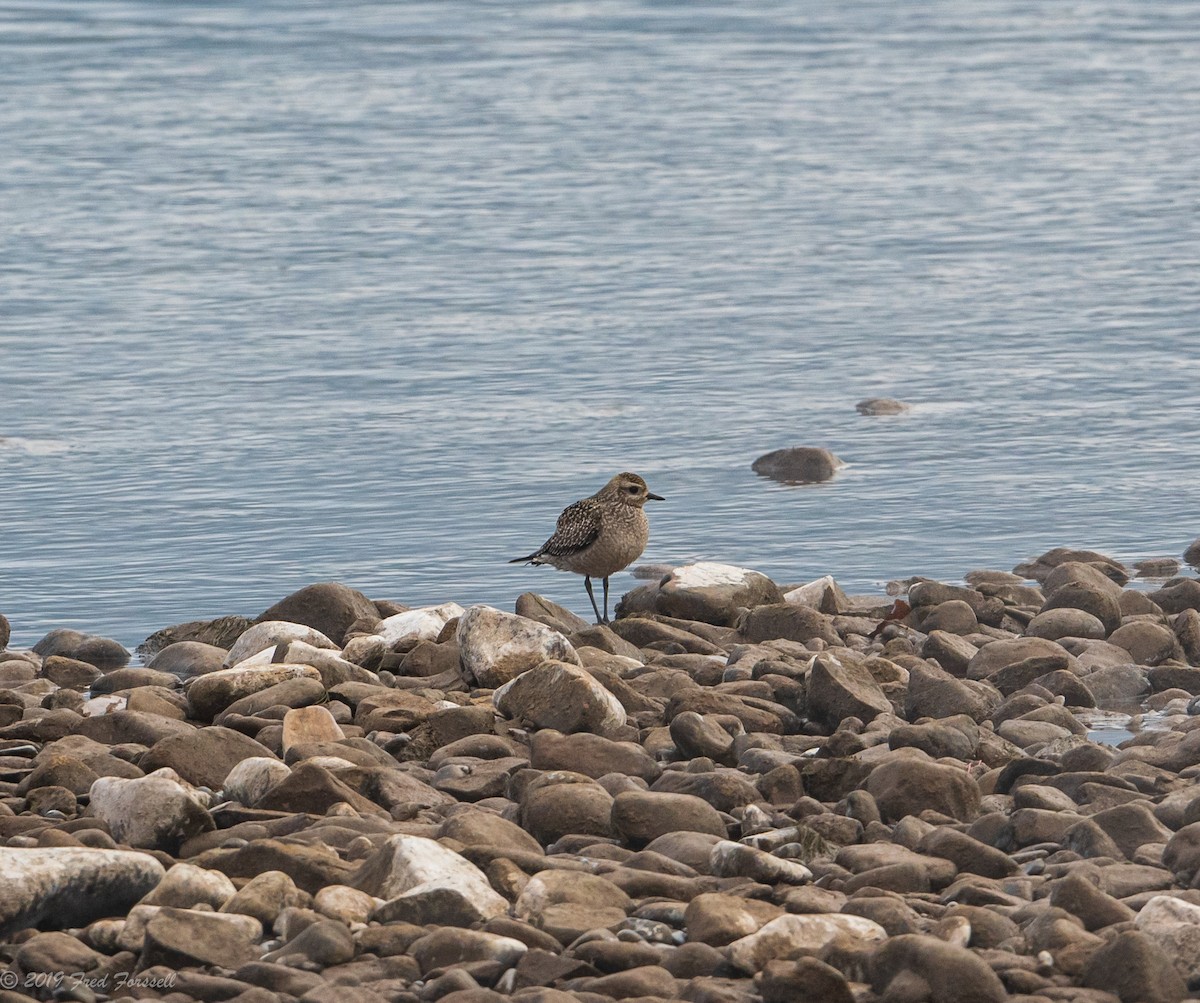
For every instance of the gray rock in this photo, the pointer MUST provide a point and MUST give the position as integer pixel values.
(102, 652)
(910, 784)
(560, 696)
(1147, 643)
(249, 781)
(407, 870)
(790, 937)
(1134, 967)
(329, 607)
(203, 757)
(798, 465)
(186, 659)
(933, 970)
(210, 694)
(838, 690)
(154, 812)
(1053, 624)
(71, 886)
(178, 938)
(186, 886)
(881, 405)
(641, 816)
(775, 621)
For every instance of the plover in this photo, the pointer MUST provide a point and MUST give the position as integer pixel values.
(598, 536)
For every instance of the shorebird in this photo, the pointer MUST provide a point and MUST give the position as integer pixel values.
(598, 536)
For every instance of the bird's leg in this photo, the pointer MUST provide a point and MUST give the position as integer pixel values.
(605, 620)
(587, 584)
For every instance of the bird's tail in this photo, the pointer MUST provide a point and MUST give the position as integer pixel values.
(530, 559)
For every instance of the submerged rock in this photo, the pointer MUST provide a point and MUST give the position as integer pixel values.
(798, 465)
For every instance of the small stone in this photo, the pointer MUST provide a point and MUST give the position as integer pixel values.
(1054, 624)
(1147, 643)
(1174, 925)
(881, 405)
(790, 937)
(345, 904)
(708, 592)
(310, 724)
(915, 967)
(1134, 967)
(177, 938)
(249, 781)
(186, 886)
(841, 689)
(204, 757)
(641, 816)
(719, 919)
(449, 946)
(805, 980)
(560, 696)
(323, 943)
(210, 694)
(558, 810)
(406, 870)
(592, 755)
(102, 652)
(265, 896)
(912, 784)
(186, 659)
(328, 607)
(709, 735)
(267, 634)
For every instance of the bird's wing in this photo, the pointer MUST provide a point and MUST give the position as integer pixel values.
(577, 529)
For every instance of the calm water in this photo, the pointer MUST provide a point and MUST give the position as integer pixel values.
(296, 291)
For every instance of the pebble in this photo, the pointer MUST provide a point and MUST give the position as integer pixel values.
(736, 792)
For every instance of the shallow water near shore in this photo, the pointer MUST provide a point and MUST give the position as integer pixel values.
(371, 292)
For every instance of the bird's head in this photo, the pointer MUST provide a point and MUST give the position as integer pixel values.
(629, 489)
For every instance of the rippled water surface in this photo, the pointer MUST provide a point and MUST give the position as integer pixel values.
(296, 291)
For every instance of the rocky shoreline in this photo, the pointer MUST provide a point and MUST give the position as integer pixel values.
(734, 793)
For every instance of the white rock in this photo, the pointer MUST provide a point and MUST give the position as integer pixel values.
(824, 594)
(790, 937)
(271, 632)
(154, 812)
(187, 885)
(704, 574)
(559, 696)
(422, 624)
(411, 866)
(101, 705)
(495, 647)
(71, 885)
(252, 778)
(1174, 925)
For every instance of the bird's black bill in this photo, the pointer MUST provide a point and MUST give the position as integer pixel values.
(653, 497)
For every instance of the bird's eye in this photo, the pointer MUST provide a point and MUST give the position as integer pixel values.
(632, 489)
